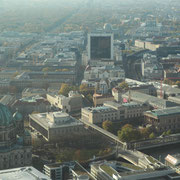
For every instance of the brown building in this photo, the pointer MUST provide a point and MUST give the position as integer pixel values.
(164, 119)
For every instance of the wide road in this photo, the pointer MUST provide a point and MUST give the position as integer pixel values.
(60, 21)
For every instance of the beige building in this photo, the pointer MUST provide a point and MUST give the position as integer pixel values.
(164, 119)
(15, 143)
(54, 126)
(99, 99)
(113, 111)
(72, 103)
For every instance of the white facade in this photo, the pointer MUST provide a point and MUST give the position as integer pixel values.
(104, 72)
(68, 104)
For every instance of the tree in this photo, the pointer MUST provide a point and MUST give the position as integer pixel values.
(108, 126)
(64, 90)
(90, 98)
(178, 83)
(15, 74)
(168, 132)
(65, 70)
(168, 81)
(124, 85)
(128, 133)
(83, 87)
(145, 132)
(46, 69)
(152, 135)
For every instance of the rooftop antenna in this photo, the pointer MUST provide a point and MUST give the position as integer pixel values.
(161, 94)
(95, 102)
(129, 96)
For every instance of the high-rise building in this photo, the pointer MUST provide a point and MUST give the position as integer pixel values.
(15, 142)
(100, 46)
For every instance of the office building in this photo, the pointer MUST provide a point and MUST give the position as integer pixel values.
(100, 46)
(56, 126)
(72, 103)
(113, 111)
(153, 101)
(125, 171)
(59, 171)
(164, 119)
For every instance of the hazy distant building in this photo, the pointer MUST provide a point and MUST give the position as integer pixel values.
(100, 46)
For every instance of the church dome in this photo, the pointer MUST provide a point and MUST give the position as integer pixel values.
(17, 116)
(6, 117)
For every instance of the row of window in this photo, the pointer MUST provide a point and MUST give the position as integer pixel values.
(65, 130)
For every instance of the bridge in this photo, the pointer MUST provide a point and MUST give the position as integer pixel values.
(134, 156)
(156, 142)
(123, 145)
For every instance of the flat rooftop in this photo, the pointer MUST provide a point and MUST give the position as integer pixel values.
(82, 172)
(152, 100)
(165, 112)
(99, 109)
(118, 105)
(60, 119)
(23, 173)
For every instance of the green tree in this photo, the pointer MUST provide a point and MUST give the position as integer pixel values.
(65, 88)
(152, 135)
(145, 132)
(124, 85)
(90, 98)
(128, 133)
(65, 70)
(83, 87)
(108, 126)
(46, 69)
(178, 83)
(168, 132)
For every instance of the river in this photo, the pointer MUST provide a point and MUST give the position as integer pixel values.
(161, 152)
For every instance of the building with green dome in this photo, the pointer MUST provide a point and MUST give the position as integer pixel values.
(15, 143)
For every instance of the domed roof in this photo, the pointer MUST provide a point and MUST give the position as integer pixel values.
(6, 117)
(17, 116)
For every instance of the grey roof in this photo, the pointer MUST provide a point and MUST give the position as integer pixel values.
(99, 109)
(152, 100)
(45, 122)
(171, 90)
(165, 112)
(6, 99)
